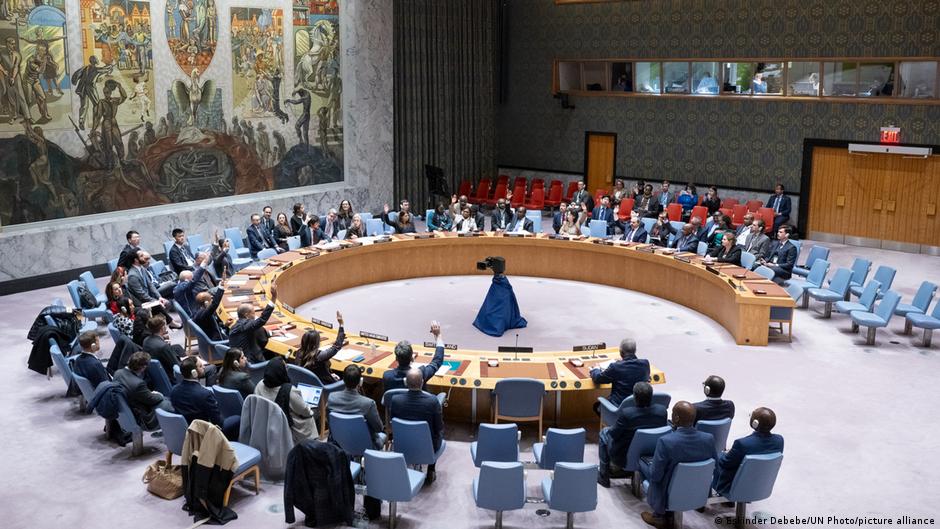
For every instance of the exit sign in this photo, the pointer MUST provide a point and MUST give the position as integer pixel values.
(890, 135)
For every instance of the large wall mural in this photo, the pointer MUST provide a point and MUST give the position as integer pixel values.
(130, 139)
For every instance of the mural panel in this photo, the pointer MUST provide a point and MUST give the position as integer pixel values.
(257, 61)
(192, 32)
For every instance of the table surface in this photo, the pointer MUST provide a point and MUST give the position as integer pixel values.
(306, 274)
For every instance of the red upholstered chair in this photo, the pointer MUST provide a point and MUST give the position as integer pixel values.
(483, 191)
(520, 180)
(518, 196)
(737, 217)
(597, 196)
(729, 203)
(768, 215)
(572, 189)
(499, 193)
(554, 183)
(465, 188)
(754, 205)
(626, 207)
(700, 212)
(554, 196)
(537, 203)
(503, 179)
(700, 199)
(674, 211)
(727, 211)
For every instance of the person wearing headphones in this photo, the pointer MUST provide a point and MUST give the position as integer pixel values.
(404, 354)
(622, 374)
(87, 364)
(713, 408)
(193, 401)
(352, 402)
(761, 441)
(614, 441)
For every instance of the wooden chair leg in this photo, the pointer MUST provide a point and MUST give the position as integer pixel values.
(257, 480)
(228, 492)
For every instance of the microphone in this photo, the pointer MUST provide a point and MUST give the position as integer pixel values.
(517, 346)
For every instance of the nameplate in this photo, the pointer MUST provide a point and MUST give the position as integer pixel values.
(373, 336)
(469, 234)
(516, 234)
(286, 266)
(380, 240)
(350, 244)
(712, 270)
(322, 323)
(647, 249)
(310, 255)
(510, 349)
(589, 347)
(288, 308)
(240, 292)
(683, 259)
(432, 345)
(426, 235)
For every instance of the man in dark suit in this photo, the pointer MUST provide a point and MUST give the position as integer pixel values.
(267, 220)
(142, 286)
(713, 408)
(604, 213)
(581, 196)
(204, 315)
(687, 240)
(743, 231)
(141, 400)
(129, 252)
(697, 228)
(501, 216)
(761, 441)
(86, 364)
(352, 402)
(191, 283)
(520, 222)
(756, 243)
(404, 354)
(684, 445)
(478, 217)
(259, 238)
(634, 232)
(157, 345)
(195, 402)
(781, 255)
(781, 206)
(614, 441)
(559, 217)
(623, 373)
(416, 405)
(181, 255)
(244, 332)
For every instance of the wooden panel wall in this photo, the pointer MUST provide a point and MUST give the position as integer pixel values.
(876, 196)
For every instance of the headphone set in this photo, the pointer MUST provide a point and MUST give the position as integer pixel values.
(194, 373)
(755, 423)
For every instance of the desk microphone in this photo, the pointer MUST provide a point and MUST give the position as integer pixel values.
(517, 346)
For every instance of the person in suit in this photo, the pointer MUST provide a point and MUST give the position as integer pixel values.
(781, 255)
(416, 405)
(317, 360)
(259, 238)
(457, 205)
(440, 220)
(234, 373)
(222, 260)
(501, 216)
(157, 345)
(404, 354)
(712, 201)
(664, 198)
(142, 288)
(662, 230)
(478, 217)
(141, 400)
(645, 205)
(282, 232)
(781, 206)
(311, 234)
(129, 252)
(700, 231)
(614, 441)
(757, 242)
(356, 228)
(684, 445)
(761, 441)
(267, 219)
(728, 252)
(331, 224)
(687, 241)
(581, 196)
(244, 332)
(191, 283)
(634, 232)
(520, 223)
(195, 402)
(603, 213)
(713, 228)
(744, 229)
(205, 315)
(559, 218)
(298, 220)
(623, 373)
(87, 364)
(713, 408)
(351, 402)
(181, 255)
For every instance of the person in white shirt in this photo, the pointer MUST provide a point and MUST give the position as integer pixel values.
(465, 223)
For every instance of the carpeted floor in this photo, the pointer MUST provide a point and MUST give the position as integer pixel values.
(859, 421)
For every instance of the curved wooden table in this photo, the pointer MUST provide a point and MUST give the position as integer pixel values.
(307, 274)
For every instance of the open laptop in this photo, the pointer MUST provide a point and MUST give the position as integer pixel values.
(311, 394)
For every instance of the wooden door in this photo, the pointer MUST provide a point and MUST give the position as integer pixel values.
(827, 198)
(600, 160)
(929, 214)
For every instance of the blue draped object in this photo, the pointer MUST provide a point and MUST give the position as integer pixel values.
(500, 311)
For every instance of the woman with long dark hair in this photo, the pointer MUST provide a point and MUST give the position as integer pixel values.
(122, 307)
(311, 357)
(282, 231)
(234, 374)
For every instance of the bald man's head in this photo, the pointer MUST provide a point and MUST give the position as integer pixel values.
(245, 310)
(186, 275)
(683, 414)
(414, 380)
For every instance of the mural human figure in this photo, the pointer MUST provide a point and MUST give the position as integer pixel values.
(39, 167)
(10, 60)
(170, 20)
(35, 95)
(140, 96)
(303, 123)
(51, 68)
(106, 123)
(84, 80)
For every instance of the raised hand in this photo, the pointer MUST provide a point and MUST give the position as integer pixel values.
(339, 318)
(436, 329)
(273, 292)
(385, 209)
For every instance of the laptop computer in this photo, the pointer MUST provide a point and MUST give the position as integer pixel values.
(311, 394)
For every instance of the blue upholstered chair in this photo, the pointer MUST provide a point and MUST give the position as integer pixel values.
(838, 289)
(58, 359)
(196, 242)
(238, 262)
(647, 223)
(764, 272)
(884, 275)
(267, 253)
(643, 445)
(187, 327)
(413, 440)
(300, 375)
(113, 332)
(388, 479)
(536, 218)
(754, 481)
(365, 216)
(748, 260)
(702, 248)
(208, 349)
(688, 488)
(157, 378)
(879, 317)
(157, 267)
(230, 401)
(815, 253)
(560, 445)
(174, 428)
(234, 235)
(609, 412)
(573, 488)
(518, 399)
(256, 371)
(86, 390)
(815, 279)
(129, 424)
(375, 227)
(92, 286)
(860, 269)
(919, 305)
(718, 429)
(166, 251)
(495, 442)
(112, 265)
(865, 301)
(293, 243)
(393, 217)
(500, 487)
(90, 314)
(925, 322)
(352, 433)
(598, 228)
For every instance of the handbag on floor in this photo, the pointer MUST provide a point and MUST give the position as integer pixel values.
(165, 481)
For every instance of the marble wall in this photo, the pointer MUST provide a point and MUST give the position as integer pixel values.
(366, 40)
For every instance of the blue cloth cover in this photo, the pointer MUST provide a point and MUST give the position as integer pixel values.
(500, 311)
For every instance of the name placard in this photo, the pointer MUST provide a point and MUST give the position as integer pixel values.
(683, 259)
(432, 345)
(380, 240)
(647, 249)
(511, 349)
(288, 308)
(373, 336)
(424, 235)
(589, 347)
(286, 266)
(322, 323)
